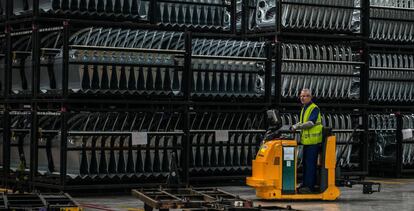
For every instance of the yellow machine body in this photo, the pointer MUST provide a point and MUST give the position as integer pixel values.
(267, 172)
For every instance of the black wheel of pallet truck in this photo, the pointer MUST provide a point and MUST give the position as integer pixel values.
(147, 207)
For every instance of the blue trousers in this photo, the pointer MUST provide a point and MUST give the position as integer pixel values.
(310, 162)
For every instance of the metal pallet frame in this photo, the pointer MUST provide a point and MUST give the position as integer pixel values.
(196, 199)
(37, 201)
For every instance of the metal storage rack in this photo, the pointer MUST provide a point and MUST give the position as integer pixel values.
(204, 16)
(69, 147)
(107, 144)
(391, 143)
(330, 56)
(390, 51)
(202, 83)
(315, 18)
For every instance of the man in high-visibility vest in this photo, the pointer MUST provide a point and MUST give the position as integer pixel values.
(310, 125)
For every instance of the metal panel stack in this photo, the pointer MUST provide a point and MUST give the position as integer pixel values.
(219, 69)
(331, 71)
(240, 74)
(101, 62)
(76, 145)
(106, 91)
(391, 20)
(135, 9)
(392, 143)
(192, 13)
(384, 127)
(20, 139)
(320, 47)
(302, 15)
(203, 14)
(408, 142)
(108, 67)
(391, 77)
(224, 143)
(391, 80)
(109, 146)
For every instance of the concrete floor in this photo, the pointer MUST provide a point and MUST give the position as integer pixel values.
(396, 194)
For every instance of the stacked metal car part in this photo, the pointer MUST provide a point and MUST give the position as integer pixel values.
(331, 71)
(262, 14)
(392, 20)
(133, 73)
(194, 13)
(104, 70)
(224, 142)
(108, 145)
(22, 61)
(342, 125)
(239, 77)
(137, 9)
(202, 13)
(343, 16)
(109, 153)
(319, 17)
(101, 145)
(391, 77)
(20, 138)
(408, 138)
(384, 128)
(99, 150)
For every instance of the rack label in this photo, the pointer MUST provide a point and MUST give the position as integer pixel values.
(222, 135)
(139, 138)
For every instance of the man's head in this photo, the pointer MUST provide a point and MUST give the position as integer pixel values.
(305, 96)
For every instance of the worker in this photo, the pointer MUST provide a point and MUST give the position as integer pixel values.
(310, 125)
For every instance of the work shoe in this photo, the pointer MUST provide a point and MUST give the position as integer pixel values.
(316, 189)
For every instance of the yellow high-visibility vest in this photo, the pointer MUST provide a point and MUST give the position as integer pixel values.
(312, 135)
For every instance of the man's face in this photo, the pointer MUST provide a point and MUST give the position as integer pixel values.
(305, 97)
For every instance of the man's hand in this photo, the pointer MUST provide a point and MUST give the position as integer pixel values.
(296, 126)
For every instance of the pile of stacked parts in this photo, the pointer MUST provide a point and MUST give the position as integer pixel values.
(149, 63)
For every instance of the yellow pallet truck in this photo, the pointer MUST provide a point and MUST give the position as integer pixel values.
(274, 169)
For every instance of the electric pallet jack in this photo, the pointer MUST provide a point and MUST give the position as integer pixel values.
(274, 169)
